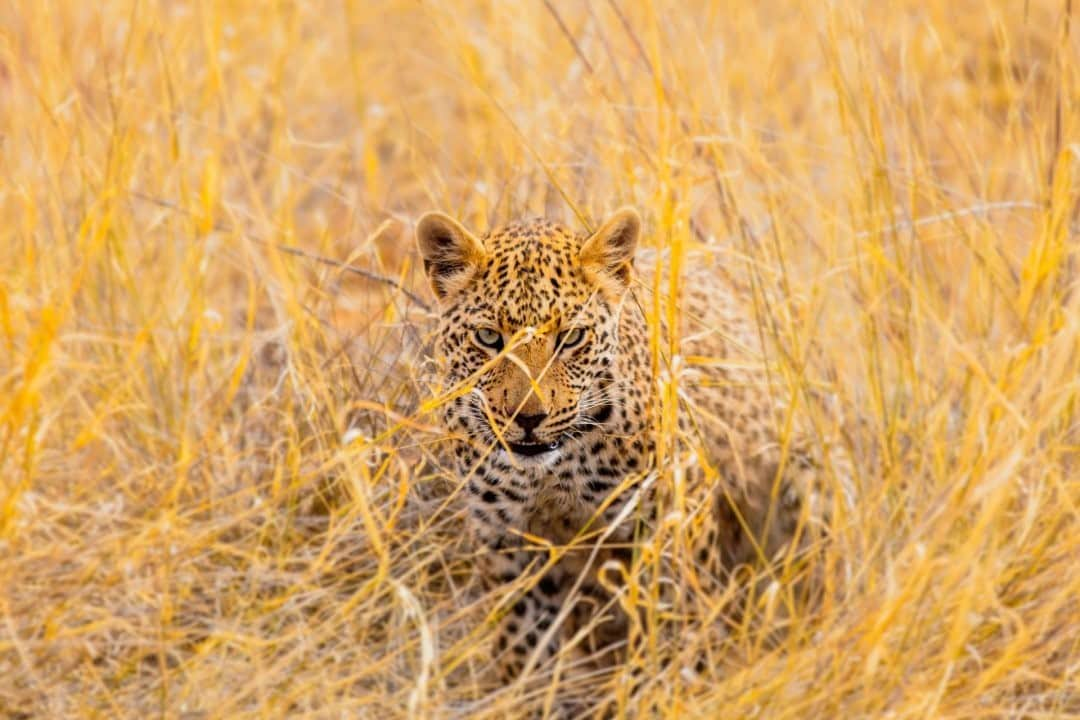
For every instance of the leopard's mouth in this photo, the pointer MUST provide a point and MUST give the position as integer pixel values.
(534, 449)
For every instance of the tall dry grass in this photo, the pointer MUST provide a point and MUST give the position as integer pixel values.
(218, 496)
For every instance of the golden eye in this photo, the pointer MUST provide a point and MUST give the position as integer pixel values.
(489, 338)
(569, 338)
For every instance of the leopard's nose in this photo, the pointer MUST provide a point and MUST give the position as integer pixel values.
(528, 423)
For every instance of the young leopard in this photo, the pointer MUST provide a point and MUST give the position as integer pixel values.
(545, 353)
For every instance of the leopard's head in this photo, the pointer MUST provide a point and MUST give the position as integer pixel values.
(529, 328)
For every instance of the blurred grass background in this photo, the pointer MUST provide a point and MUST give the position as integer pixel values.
(217, 491)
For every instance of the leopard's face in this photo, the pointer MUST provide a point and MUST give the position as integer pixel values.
(529, 330)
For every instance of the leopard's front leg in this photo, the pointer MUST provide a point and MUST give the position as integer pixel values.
(496, 518)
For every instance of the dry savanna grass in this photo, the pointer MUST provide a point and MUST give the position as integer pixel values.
(220, 493)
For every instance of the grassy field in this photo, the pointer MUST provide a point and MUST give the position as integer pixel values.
(217, 491)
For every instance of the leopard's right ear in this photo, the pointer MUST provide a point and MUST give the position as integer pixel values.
(451, 253)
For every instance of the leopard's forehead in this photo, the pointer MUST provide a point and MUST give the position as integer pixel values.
(532, 274)
(532, 245)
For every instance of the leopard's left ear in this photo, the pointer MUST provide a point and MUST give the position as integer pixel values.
(611, 248)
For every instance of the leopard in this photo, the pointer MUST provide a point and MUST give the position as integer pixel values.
(551, 407)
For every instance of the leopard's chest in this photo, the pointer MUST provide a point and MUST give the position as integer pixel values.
(566, 495)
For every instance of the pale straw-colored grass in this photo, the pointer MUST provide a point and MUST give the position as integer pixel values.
(218, 490)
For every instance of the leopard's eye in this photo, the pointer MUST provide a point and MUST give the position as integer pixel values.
(570, 338)
(489, 338)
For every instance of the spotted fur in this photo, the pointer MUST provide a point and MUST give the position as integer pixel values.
(544, 348)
